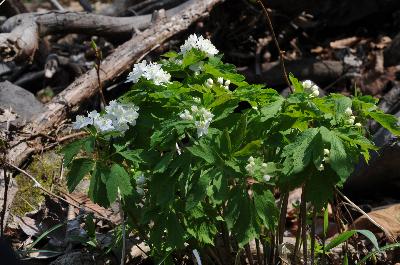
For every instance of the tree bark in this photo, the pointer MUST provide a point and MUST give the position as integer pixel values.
(113, 66)
(21, 33)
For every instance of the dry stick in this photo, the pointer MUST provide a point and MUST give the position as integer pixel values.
(388, 234)
(3, 212)
(121, 212)
(314, 217)
(281, 53)
(303, 213)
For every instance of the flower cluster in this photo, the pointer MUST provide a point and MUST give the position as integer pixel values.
(201, 117)
(116, 118)
(311, 88)
(150, 71)
(210, 82)
(252, 168)
(200, 43)
(351, 118)
(326, 160)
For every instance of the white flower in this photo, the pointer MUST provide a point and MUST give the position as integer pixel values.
(226, 88)
(348, 112)
(103, 124)
(250, 169)
(359, 125)
(197, 100)
(116, 118)
(314, 93)
(81, 122)
(307, 84)
(202, 118)
(220, 80)
(351, 120)
(267, 178)
(326, 151)
(251, 159)
(321, 167)
(200, 43)
(326, 160)
(227, 82)
(151, 71)
(186, 115)
(209, 82)
(311, 88)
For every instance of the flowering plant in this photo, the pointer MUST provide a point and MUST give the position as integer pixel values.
(194, 152)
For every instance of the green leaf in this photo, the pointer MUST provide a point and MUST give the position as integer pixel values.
(191, 57)
(203, 150)
(164, 162)
(239, 132)
(326, 220)
(176, 234)
(249, 149)
(118, 180)
(299, 153)
(389, 122)
(226, 145)
(339, 239)
(72, 149)
(340, 159)
(90, 226)
(272, 109)
(298, 87)
(382, 249)
(97, 188)
(264, 202)
(79, 168)
(198, 190)
(346, 235)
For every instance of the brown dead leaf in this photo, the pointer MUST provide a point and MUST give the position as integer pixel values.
(388, 218)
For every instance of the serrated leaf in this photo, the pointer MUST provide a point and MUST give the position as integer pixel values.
(118, 180)
(272, 109)
(203, 150)
(264, 202)
(298, 87)
(78, 169)
(97, 188)
(389, 122)
(176, 234)
(198, 190)
(72, 149)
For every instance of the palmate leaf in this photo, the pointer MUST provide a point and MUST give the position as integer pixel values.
(117, 180)
(97, 188)
(79, 168)
(264, 202)
(72, 149)
(300, 153)
(389, 122)
(341, 158)
(272, 109)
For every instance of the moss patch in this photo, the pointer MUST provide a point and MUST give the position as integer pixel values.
(45, 168)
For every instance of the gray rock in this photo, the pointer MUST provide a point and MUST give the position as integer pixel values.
(22, 103)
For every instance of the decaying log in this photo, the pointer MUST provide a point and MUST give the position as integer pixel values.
(321, 72)
(113, 66)
(21, 33)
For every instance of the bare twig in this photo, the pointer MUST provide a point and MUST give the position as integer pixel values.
(281, 53)
(121, 212)
(387, 233)
(57, 5)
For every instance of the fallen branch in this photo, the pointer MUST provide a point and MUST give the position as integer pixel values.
(21, 33)
(112, 66)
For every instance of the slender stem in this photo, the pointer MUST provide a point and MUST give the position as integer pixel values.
(122, 215)
(248, 254)
(314, 218)
(281, 53)
(303, 213)
(259, 255)
(297, 243)
(282, 217)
